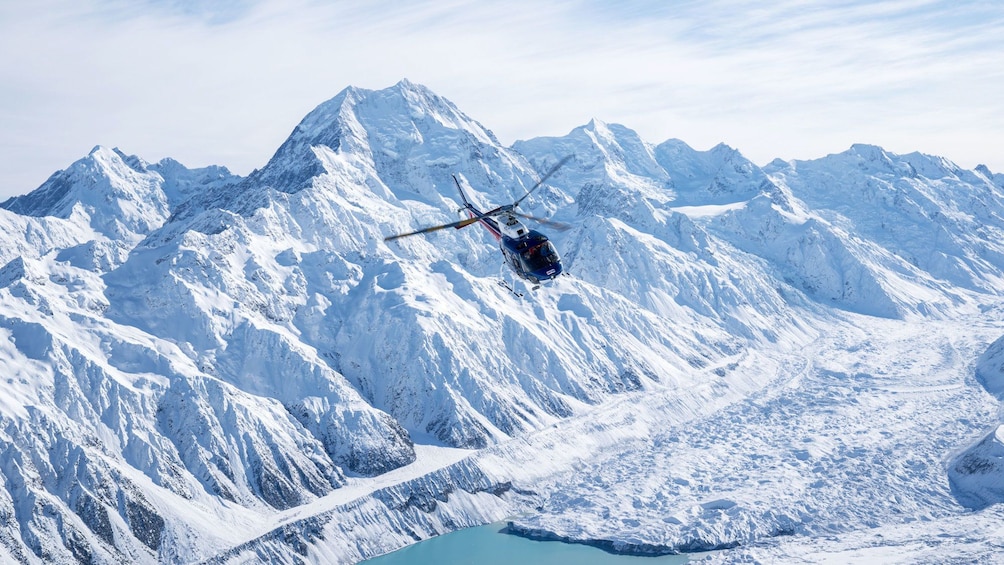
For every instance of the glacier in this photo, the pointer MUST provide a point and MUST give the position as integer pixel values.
(796, 361)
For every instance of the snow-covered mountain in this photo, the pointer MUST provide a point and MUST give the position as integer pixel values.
(199, 366)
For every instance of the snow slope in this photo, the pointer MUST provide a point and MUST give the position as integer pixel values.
(200, 366)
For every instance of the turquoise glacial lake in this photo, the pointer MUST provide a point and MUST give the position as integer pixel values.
(487, 545)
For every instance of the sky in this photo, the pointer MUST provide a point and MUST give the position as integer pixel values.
(225, 82)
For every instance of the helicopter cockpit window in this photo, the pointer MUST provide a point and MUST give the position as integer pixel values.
(540, 256)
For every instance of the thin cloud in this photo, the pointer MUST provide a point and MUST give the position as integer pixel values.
(224, 83)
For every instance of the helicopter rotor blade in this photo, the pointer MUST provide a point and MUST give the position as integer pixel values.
(546, 176)
(508, 208)
(457, 225)
(560, 226)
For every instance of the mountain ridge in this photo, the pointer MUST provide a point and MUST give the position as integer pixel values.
(251, 346)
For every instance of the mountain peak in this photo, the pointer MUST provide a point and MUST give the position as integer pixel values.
(868, 151)
(406, 86)
(88, 180)
(108, 159)
(117, 194)
(724, 149)
(382, 124)
(876, 159)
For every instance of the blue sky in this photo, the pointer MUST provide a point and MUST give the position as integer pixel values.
(225, 82)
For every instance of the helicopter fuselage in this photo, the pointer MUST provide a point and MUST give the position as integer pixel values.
(527, 252)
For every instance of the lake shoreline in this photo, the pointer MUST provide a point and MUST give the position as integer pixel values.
(497, 543)
(616, 547)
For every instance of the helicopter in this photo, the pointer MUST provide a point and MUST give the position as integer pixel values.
(528, 253)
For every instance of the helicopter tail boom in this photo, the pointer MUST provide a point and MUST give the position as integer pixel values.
(487, 221)
(467, 203)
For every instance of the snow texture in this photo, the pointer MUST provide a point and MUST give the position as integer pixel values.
(800, 361)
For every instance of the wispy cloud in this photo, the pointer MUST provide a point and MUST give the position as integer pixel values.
(225, 82)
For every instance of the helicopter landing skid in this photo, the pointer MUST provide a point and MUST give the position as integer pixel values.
(509, 287)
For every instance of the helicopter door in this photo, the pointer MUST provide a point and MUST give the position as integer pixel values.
(513, 259)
